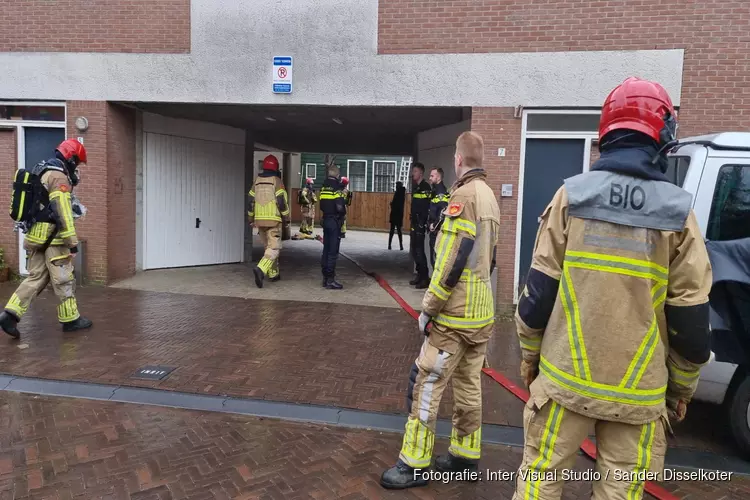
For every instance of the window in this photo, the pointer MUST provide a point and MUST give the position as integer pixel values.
(383, 176)
(677, 169)
(37, 113)
(311, 170)
(548, 122)
(730, 208)
(357, 170)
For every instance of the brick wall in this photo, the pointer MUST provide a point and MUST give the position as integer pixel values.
(8, 166)
(120, 192)
(499, 129)
(92, 190)
(714, 33)
(139, 26)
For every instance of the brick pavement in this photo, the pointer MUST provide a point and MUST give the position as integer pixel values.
(59, 448)
(276, 350)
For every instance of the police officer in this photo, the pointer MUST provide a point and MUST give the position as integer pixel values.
(51, 246)
(348, 197)
(421, 194)
(460, 306)
(333, 206)
(438, 203)
(613, 320)
(268, 210)
(307, 201)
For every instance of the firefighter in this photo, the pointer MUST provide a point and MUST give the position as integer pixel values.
(268, 210)
(333, 206)
(438, 203)
(51, 246)
(460, 307)
(307, 200)
(348, 197)
(420, 209)
(613, 319)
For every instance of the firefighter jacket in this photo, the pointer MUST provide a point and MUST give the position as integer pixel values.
(615, 306)
(438, 203)
(307, 197)
(420, 204)
(460, 293)
(58, 186)
(332, 198)
(267, 200)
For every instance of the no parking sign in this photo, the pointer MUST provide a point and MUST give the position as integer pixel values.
(282, 75)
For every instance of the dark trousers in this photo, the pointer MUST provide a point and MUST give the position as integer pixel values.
(433, 238)
(331, 242)
(394, 227)
(417, 252)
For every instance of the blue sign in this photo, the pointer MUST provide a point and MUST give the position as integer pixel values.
(282, 75)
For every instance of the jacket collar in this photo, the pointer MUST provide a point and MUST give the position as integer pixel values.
(471, 175)
(439, 188)
(632, 161)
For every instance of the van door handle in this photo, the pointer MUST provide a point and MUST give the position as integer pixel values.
(197, 223)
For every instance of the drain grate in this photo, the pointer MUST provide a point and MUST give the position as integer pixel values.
(153, 372)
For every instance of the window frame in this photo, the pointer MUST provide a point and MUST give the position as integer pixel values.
(745, 168)
(314, 175)
(393, 177)
(349, 172)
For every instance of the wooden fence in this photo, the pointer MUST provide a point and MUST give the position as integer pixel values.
(367, 211)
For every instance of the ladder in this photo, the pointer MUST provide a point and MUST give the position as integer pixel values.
(404, 170)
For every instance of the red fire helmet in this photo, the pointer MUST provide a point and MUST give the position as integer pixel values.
(71, 149)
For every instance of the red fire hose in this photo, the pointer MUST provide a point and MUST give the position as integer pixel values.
(588, 447)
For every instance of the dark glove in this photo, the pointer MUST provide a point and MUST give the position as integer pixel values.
(74, 250)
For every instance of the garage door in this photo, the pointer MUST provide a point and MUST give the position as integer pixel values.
(547, 164)
(193, 201)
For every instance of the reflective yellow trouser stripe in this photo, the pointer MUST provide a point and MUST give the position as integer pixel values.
(265, 265)
(67, 310)
(468, 446)
(645, 443)
(546, 449)
(645, 352)
(604, 392)
(419, 440)
(14, 305)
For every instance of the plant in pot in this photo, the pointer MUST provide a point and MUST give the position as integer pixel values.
(4, 270)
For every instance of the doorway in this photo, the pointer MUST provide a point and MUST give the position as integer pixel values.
(35, 144)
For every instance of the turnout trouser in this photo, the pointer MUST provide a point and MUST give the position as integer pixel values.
(308, 217)
(331, 243)
(55, 265)
(553, 434)
(417, 235)
(429, 376)
(271, 239)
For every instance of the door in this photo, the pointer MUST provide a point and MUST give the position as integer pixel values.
(194, 202)
(38, 144)
(548, 163)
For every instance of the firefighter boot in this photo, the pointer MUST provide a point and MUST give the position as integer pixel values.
(258, 277)
(450, 463)
(402, 476)
(275, 278)
(332, 284)
(9, 324)
(77, 324)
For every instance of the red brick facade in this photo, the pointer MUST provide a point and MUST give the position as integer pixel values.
(138, 26)
(8, 165)
(714, 33)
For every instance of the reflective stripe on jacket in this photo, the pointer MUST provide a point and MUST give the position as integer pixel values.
(58, 186)
(460, 293)
(611, 252)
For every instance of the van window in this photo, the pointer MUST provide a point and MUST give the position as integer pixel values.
(677, 170)
(730, 208)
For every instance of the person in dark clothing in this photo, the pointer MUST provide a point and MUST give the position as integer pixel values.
(397, 214)
(333, 206)
(440, 199)
(421, 195)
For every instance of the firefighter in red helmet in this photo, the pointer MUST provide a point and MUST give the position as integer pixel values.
(268, 208)
(348, 198)
(51, 241)
(620, 234)
(307, 201)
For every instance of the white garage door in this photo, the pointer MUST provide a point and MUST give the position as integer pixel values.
(194, 201)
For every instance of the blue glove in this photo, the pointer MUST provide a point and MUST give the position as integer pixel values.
(424, 322)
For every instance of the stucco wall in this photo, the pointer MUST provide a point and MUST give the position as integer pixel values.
(334, 45)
